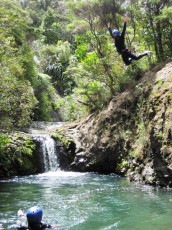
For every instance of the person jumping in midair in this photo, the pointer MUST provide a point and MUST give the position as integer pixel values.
(119, 40)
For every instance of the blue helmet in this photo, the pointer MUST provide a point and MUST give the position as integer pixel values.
(34, 215)
(116, 32)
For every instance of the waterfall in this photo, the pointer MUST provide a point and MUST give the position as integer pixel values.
(48, 150)
(46, 146)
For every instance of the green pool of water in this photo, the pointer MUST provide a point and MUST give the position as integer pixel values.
(84, 201)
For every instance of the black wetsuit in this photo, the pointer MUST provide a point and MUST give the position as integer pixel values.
(126, 54)
(37, 226)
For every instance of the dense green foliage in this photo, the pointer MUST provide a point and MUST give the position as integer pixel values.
(16, 155)
(58, 55)
(16, 94)
(57, 60)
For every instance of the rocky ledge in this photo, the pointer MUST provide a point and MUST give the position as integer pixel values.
(132, 136)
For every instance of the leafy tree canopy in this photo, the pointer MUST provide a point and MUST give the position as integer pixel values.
(50, 48)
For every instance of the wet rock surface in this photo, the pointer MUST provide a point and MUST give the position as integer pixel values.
(132, 136)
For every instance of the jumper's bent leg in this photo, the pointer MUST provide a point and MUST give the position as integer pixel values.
(137, 57)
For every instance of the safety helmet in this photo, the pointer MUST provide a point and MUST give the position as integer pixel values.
(116, 32)
(34, 215)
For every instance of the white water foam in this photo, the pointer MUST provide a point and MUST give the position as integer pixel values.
(48, 150)
(60, 173)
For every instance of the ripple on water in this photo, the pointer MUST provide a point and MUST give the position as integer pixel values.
(82, 201)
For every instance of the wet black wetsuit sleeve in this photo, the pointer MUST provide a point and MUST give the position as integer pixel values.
(44, 225)
(124, 29)
(22, 228)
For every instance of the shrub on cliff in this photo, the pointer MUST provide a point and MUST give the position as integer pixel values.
(16, 155)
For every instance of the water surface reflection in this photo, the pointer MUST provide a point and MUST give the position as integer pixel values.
(85, 201)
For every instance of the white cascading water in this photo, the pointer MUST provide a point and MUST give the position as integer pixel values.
(48, 150)
(39, 132)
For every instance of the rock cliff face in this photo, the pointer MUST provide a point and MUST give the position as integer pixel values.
(132, 135)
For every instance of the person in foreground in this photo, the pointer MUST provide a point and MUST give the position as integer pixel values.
(34, 219)
(119, 40)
